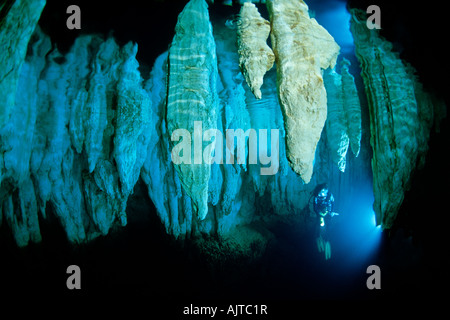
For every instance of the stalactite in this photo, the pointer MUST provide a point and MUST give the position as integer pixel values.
(343, 125)
(16, 29)
(352, 107)
(192, 94)
(336, 124)
(302, 49)
(57, 145)
(398, 131)
(255, 56)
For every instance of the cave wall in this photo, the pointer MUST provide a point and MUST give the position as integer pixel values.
(75, 139)
(401, 117)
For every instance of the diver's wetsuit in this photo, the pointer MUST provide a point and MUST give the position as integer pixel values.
(323, 207)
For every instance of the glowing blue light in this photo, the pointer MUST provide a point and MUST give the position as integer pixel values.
(357, 238)
(334, 17)
(373, 218)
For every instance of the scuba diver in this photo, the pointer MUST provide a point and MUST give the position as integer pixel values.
(323, 208)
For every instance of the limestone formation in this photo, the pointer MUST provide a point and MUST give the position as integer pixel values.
(255, 56)
(17, 23)
(398, 129)
(77, 139)
(352, 107)
(343, 125)
(302, 49)
(132, 121)
(336, 124)
(192, 94)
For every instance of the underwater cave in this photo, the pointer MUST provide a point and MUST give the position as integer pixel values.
(179, 150)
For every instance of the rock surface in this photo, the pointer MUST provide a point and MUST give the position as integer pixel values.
(401, 117)
(352, 107)
(16, 27)
(255, 56)
(343, 125)
(77, 139)
(302, 49)
(192, 96)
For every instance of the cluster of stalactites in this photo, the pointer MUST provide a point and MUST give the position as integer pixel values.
(255, 56)
(83, 124)
(76, 130)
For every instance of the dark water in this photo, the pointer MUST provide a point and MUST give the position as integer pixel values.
(141, 259)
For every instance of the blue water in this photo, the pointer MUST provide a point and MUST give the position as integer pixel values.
(334, 17)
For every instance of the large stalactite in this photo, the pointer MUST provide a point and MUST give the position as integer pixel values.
(255, 56)
(401, 117)
(302, 48)
(343, 125)
(192, 96)
(77, 138)
(336, 124)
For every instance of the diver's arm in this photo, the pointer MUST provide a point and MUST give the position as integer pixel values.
(331, 204)
(331, 207)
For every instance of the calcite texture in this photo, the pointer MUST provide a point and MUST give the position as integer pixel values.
(343, 125)
(17, 24)
(336, 124)
(77, 138)
(255, 56)
(352, 107)
(132, 130)
(192, 94)
(302, 48)
(401, 117)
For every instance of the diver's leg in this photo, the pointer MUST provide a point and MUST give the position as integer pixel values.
(320, 245)
(327, 250)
